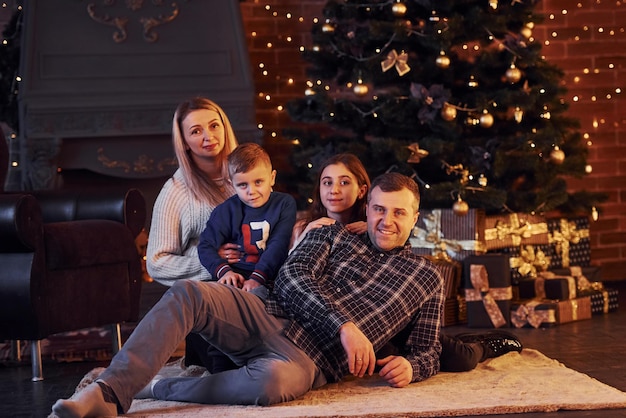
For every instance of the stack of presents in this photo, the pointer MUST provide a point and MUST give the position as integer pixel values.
(514, 270)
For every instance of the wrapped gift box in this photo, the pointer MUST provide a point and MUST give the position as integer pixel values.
(532, 313)
(569, 239)
(590, 273)
(526, 261)
(515, 229)
(453, 312)
(451, 271)
(488, 291)
(543, 313)
(548, 285)
(604, 301)
(441, 232)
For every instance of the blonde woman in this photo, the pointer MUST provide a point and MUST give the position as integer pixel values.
(203, 138)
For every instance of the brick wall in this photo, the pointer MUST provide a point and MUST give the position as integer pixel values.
(586, 38)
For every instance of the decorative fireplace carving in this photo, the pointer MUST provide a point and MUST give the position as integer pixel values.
(91, 104)
(120, 22)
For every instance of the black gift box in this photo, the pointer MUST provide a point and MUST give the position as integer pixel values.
(489, 289)
(548, 286)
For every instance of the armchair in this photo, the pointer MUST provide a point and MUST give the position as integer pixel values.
(68, 261)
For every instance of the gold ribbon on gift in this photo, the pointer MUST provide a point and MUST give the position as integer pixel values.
(605, 300)
(481, 291)
(548, 275)
(527, 313)
(397, 60)
(442, 248)
(582, 283)
(516, 229)
(574, 305)
(530, 261)
(566, 235)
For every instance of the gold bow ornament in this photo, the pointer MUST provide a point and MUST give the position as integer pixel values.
(566, 235)
(480, 291)
(530, 261)
(399, 61)
(515, 231)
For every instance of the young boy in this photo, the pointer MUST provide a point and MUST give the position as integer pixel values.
(258, 219)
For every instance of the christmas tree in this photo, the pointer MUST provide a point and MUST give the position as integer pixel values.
(454, 93)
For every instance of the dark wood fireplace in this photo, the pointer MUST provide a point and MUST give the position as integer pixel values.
(101, 80)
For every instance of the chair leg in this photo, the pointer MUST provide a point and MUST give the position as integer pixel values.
(35, 354)
(116, 333)
(16, 350)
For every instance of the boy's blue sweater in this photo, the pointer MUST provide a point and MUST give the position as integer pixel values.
(263, 235)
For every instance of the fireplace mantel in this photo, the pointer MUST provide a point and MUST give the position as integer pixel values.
(101, 80)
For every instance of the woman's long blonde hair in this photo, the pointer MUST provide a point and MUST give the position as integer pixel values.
(202, 186)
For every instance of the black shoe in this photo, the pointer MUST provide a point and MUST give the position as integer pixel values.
(494, 343)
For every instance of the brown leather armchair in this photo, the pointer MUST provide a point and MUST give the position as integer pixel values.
(68, 261)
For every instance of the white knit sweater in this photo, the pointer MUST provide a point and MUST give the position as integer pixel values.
(178, 218)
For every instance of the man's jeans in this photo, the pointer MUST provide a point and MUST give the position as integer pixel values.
(272, 369)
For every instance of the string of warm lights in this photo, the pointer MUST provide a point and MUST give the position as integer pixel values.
(579, 80)
(556, 20)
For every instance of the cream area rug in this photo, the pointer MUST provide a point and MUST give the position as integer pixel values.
(513, 383)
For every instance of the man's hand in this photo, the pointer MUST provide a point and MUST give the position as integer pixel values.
(233, 279)
(361, 357)
(396, 370)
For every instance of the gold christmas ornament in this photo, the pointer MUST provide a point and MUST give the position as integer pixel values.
(416, 153)
(482, 180)
(442, 61)
(486, 119)
(448, 112)
(360, 89)
(557, 156)
(328, 27)
(513, 74)
(594, 213)
(460, 207)
(398, 9)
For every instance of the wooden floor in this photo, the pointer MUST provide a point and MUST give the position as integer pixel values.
(596, 347)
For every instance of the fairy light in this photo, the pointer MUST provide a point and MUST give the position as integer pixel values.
(295, 27)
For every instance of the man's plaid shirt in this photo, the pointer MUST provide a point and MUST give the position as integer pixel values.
(333, 277)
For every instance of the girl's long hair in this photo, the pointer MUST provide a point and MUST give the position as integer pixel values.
(355, 166)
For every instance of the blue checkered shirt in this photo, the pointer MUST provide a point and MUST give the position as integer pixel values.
(333, 277)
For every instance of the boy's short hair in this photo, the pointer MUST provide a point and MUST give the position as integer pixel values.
(247, 156)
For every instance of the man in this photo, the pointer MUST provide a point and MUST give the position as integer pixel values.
(338, 299)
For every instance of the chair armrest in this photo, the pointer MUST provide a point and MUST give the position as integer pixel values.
(127, 207)
(21, 224)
